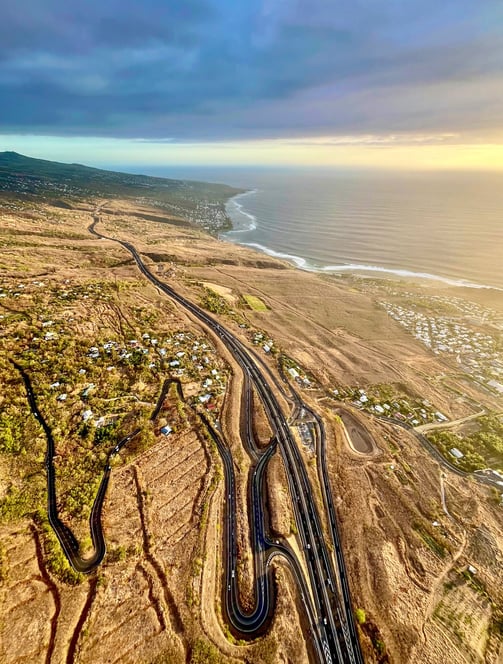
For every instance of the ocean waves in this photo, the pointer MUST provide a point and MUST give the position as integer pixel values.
(352, 267)
(234, 208)
(304, 264)
(443, 228)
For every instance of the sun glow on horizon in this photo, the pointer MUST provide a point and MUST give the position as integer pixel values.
(387, 152)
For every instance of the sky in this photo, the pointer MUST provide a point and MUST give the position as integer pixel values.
(386, 83)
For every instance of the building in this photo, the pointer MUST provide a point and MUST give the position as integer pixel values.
(496, 386)
(456, 453)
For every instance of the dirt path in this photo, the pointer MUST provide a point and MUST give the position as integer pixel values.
(438, 583)
(422, 428)
(442, 496)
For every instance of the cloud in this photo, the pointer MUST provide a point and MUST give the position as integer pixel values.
(219, 69)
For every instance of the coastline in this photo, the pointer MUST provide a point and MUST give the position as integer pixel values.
(333, 331)
(302, 263)
(233, 201)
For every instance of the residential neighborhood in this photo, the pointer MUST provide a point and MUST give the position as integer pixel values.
(477, 351)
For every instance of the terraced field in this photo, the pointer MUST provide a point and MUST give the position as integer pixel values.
(155, 506)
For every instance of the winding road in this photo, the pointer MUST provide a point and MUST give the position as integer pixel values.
(65, 536)
(329, 610)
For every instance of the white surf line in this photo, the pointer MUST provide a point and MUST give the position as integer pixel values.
(240, 210)
(303, 264)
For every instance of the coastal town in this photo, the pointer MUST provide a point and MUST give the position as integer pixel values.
(470, 335)
(210, 216)
(101, 353)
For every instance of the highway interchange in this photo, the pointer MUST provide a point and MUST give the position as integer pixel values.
(326, 596)
(324, 590)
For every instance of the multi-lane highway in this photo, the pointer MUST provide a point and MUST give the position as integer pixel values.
(330, 617)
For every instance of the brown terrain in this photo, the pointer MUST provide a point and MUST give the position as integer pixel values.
(157, 596)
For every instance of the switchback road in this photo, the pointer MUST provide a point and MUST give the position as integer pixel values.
(335, 637)
(65, 536)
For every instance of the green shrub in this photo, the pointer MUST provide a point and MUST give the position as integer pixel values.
(204, 653)
(360, 616)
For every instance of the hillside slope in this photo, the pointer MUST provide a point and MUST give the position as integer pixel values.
(201, 203)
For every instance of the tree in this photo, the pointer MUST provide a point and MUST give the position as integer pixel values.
(360, 616)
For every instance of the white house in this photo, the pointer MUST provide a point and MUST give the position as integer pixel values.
(456, 453)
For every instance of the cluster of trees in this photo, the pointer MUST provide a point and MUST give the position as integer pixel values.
(481, 449)
(204, 652)
(77, 480)
(214, 302)
(446, 440)
(17, 503)
(11, 434)
(490, 435)
(56, 560)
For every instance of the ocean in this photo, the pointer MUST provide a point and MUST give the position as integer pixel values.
(444, 226)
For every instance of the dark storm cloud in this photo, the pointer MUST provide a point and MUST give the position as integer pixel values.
(71, 27)
(216, 69)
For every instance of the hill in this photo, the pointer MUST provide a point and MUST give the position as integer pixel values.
(201, 203)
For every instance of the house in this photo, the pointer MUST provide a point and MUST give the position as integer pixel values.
(495, 385)
(87, 415)
(293, 373)
(457, 454)
(166, 430)
(62, 397)
(87, 389)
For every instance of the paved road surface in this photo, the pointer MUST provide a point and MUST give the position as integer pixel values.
(334, 630)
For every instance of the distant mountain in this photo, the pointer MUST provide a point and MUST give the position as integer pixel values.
(200, 202)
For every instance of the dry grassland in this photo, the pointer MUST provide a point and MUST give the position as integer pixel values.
(157, 597)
